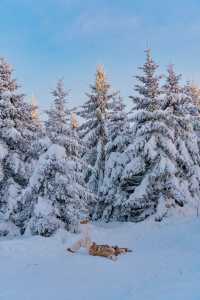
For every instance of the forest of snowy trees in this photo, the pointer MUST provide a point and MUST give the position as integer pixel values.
(116, 165)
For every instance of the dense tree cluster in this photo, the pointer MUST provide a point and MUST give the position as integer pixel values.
(115, 165)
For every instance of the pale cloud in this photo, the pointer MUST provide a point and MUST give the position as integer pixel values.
(92, 24)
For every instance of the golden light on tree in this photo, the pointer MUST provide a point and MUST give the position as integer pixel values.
(74, 121)
(35, 113)
(100, 79)
(195, 90)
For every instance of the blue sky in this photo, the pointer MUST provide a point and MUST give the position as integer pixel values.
(49, 39)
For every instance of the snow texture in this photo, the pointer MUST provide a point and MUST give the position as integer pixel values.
(164, 264)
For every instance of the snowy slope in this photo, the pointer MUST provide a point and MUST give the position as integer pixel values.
(165, 264)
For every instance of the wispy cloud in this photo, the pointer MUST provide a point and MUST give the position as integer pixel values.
(93, 24)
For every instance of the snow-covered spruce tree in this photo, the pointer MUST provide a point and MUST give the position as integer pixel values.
(191, 107)
(57, 189)
(17, 133)
(189, 145)
(93, 130)
(150, 177)
(181, 109)
(58, 116)
(193, 92)
(118, 130)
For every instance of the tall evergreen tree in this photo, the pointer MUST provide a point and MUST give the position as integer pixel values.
(17, 134)
(149, 178)
(93, 131)
(56, 190)
(118, 139)
(184, 116)
(180, 108)
(191, 107)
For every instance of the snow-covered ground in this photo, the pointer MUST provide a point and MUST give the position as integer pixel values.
(164, 264)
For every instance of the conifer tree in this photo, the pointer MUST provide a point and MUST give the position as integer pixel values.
(149, 178)
(183, 115)
(180, 108)
(16, 137)
(56, 190)
(93, 131)
(118, 140)
(191, 107)
(188, 143)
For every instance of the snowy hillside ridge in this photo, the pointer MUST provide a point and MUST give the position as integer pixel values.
(164, 264)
